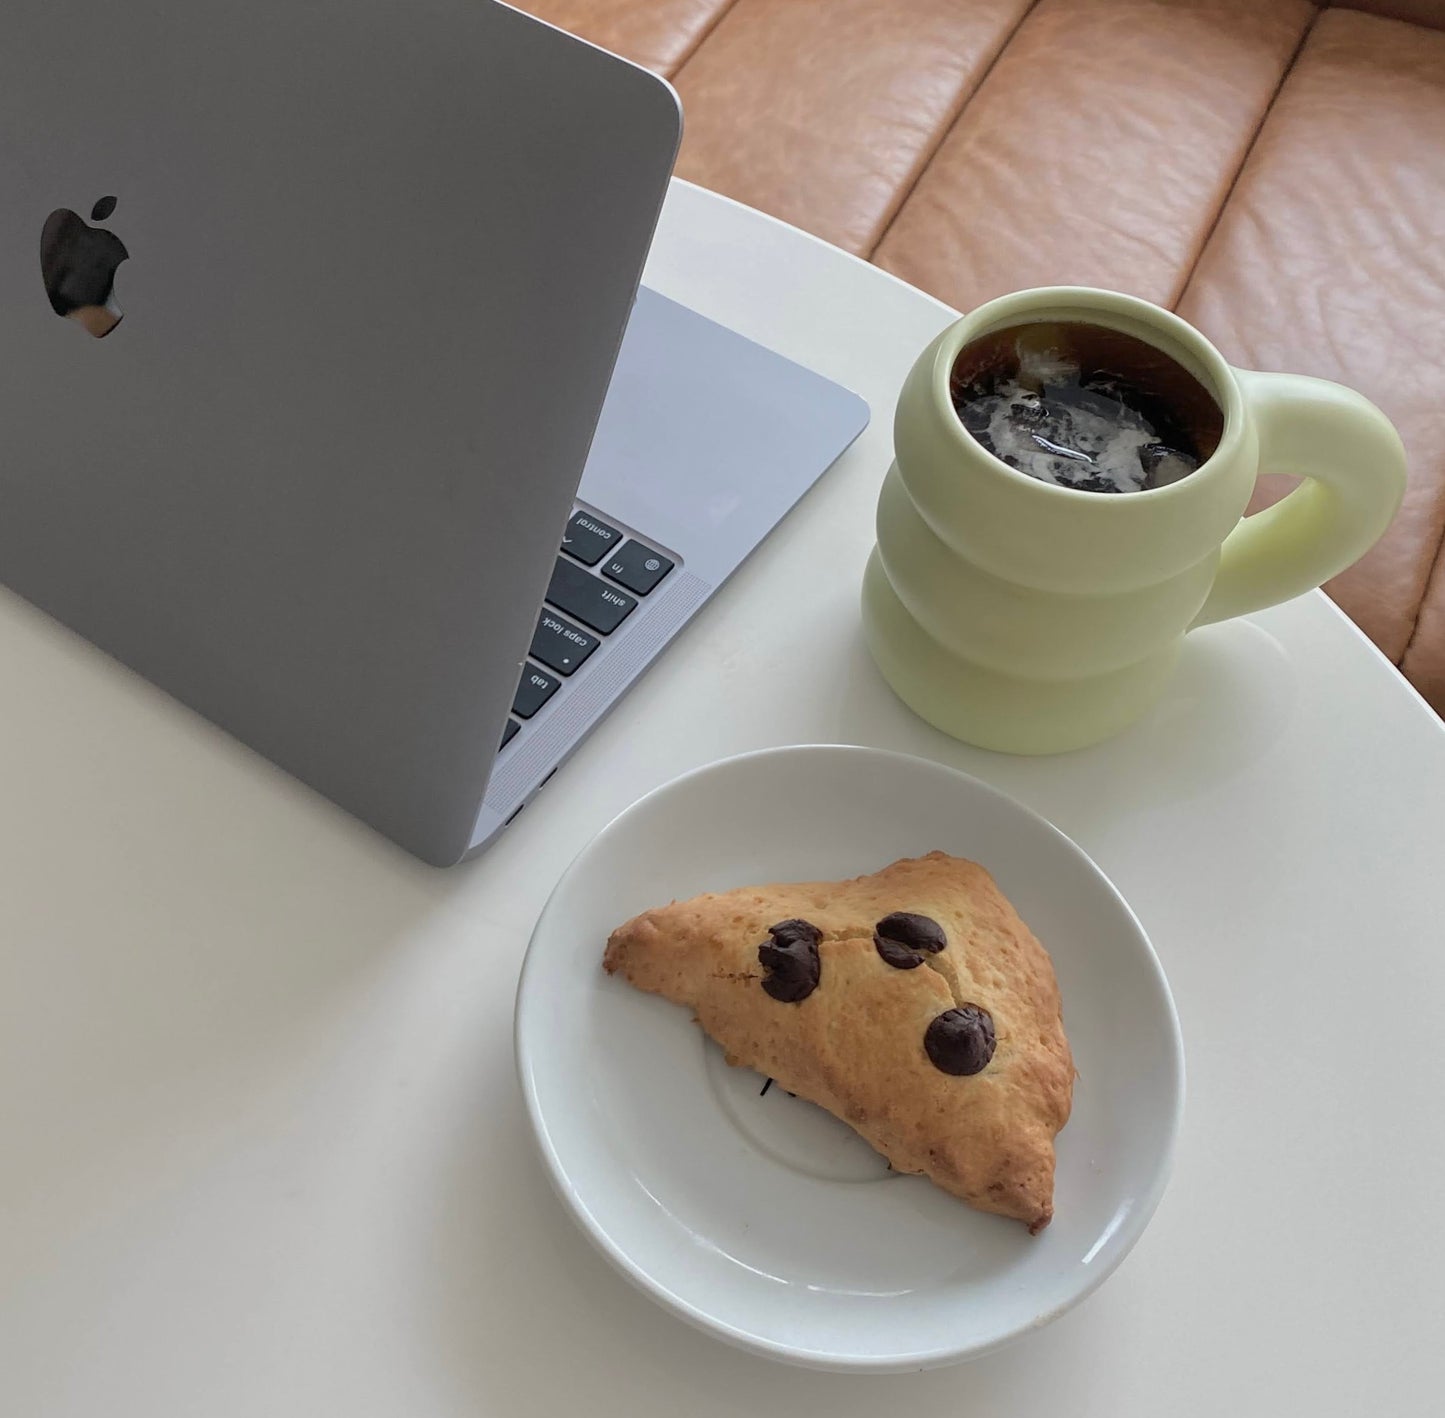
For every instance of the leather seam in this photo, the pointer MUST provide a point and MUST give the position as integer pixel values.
(1289, 68)
(687, 54)
(1436, 563)
(945, 132)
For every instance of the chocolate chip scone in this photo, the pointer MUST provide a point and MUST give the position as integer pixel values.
(913, 1004)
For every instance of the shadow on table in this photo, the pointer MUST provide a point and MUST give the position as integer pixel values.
(1231, 700)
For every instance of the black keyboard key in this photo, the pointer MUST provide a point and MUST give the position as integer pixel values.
(588, 538)
(597, 605)
(508, 733)
(560, 645)
(637, 567)
(536, 688)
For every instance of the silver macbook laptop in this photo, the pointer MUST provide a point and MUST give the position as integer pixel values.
(310, 315)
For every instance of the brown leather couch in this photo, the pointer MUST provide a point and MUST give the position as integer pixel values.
(1272, 169)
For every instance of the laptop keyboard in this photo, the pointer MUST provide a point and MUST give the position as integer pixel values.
(596, 584)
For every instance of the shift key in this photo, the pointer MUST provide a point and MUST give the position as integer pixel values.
(560, 645)
(598, 605)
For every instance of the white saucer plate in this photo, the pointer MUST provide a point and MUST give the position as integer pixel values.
(759, 1217)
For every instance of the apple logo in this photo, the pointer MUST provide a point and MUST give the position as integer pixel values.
(78, 264)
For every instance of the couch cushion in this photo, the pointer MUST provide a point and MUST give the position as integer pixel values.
(657, 33)
(823, 112)
(1328, 260)
(1099, 149)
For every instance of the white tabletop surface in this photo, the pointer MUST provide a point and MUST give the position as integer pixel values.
(263, 1148)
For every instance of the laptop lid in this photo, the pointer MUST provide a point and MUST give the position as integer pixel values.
(372, 263)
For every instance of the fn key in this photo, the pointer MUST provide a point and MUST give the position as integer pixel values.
(637, 567)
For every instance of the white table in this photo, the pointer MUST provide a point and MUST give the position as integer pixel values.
(263, 1149)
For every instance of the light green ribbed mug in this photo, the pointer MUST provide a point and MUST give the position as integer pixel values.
(1029, 617)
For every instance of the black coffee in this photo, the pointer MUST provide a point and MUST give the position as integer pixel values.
(1084, 407)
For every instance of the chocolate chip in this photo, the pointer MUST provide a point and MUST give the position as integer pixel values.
(896, 955)
(961, 1041)
(791, 960)
(904, 938)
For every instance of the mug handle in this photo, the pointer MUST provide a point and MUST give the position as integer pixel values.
(1353, 464)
